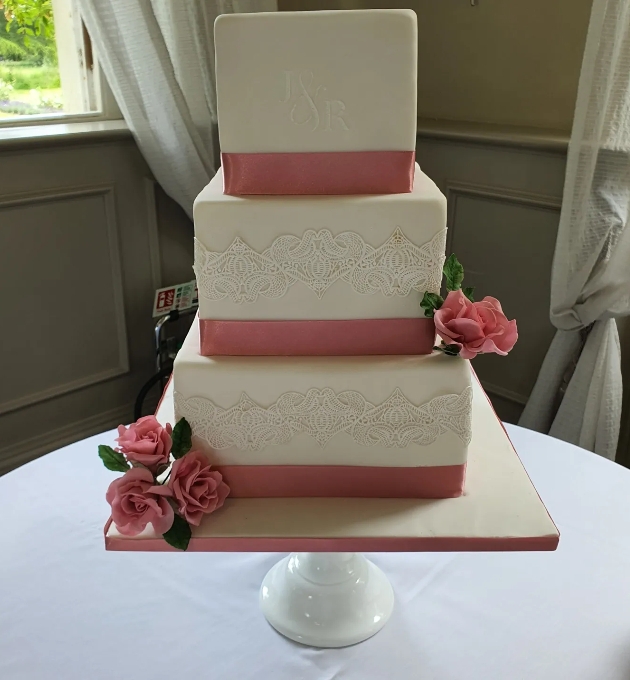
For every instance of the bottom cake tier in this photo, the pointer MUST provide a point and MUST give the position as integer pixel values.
(371, 426)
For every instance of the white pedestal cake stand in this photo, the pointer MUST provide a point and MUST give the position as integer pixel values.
(326, 599)
(328, 595)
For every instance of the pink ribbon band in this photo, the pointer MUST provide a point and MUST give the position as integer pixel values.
(343, 481)
(332, 173)
(330, 337)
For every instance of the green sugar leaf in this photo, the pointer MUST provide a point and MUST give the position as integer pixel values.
(179, 534)
(469, 293)
(453, 273)
(112, 460)
(430, 302)
(182, 438)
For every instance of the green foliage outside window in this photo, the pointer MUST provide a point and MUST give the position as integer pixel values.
(27, 32)
(29, 76)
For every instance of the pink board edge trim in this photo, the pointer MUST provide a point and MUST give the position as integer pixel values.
(318, 173)
(164, 391)
(328, 337)
(345, 544)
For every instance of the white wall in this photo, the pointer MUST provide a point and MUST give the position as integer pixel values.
(507, 62)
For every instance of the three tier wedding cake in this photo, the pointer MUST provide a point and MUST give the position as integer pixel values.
(313, 368)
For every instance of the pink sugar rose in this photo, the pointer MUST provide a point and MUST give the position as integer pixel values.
(475, 327)
(145, 442)
(197, 489)
(136, 500)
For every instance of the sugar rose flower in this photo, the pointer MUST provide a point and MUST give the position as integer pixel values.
(197, 488)
(145, 442)
(136, 500)
(475, 327)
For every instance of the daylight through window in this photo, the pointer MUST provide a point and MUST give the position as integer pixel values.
(46, 65)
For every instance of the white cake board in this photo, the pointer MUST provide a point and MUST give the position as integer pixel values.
(326, 596)
(500, 510)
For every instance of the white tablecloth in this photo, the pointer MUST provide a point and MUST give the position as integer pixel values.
(71, 611)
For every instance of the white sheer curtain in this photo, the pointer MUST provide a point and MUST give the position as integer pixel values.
(158, 58)
(577, 396)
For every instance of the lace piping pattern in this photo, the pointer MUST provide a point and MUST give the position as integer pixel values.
(322, 414)
(317, 260)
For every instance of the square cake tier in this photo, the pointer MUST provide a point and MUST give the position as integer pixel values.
(329, 426)
(354, 267)
(317, 102)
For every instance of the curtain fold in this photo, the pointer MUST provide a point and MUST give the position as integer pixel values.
(577, 396)
(158, 58)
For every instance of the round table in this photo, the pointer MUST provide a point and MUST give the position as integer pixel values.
(71, 610)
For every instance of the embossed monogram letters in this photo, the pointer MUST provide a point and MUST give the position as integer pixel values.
(309, 106)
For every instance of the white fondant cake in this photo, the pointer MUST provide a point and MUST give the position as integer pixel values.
(312, 368)
(318, 257)
(330, 280)
(362, 411)
(316, 81)
(328, 426)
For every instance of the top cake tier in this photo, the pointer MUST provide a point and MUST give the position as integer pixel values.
(317, 102)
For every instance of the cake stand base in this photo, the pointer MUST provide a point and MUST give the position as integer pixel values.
(326, 599)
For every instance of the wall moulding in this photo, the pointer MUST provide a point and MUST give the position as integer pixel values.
(106, 194)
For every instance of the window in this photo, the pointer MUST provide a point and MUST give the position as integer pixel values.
(48, 70)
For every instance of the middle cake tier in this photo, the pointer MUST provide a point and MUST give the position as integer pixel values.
(324, 275)
(329, 426)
